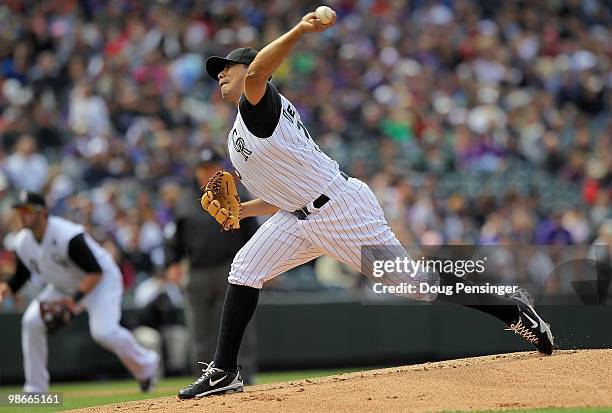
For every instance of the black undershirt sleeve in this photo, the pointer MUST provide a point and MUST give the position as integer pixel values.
(21, 276)
(261, 119)
(80, 253)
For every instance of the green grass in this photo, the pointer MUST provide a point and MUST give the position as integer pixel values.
(558, 410)
(84, 394)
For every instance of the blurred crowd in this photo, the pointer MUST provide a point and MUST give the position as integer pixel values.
(479, 122)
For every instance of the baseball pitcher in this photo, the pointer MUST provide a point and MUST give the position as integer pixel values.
(316, 209)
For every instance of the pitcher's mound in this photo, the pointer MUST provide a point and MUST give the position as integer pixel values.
(506, 381)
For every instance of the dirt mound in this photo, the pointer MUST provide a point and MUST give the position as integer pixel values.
(507, 381)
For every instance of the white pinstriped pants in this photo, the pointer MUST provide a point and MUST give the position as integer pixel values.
(350, 220)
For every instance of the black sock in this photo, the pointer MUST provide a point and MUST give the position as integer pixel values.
(238, 309)
(496, 305)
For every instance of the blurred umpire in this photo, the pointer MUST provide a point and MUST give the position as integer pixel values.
(209, 253)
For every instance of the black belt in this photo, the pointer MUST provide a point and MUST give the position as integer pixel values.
(303, 212)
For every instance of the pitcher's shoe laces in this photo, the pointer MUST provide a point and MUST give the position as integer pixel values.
(522, 331)
(207, 371)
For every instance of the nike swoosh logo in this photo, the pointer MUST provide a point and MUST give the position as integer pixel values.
(215, 382)
(534, 323)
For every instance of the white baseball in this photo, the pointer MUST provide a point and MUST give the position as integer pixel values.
(325, 14)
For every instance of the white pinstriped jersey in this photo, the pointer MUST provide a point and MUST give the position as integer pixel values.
(279, 162)
(50, 258)
(286, 169)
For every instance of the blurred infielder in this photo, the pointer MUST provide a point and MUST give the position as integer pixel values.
(80, 275)
(317, 209)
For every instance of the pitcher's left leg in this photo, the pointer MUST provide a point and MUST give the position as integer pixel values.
(353, 221)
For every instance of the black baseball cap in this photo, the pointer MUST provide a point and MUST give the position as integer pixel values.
(208, 156)
(215, 64)
(30, 199)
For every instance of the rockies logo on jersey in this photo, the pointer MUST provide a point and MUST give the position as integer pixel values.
(239, 145)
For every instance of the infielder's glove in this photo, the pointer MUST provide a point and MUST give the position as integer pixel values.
(55, 315)
(221, 200)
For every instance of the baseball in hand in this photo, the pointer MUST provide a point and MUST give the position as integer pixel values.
(325, 14)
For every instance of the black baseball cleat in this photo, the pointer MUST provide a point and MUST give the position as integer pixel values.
(147, 385)
(213, 381)
(530, 325)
